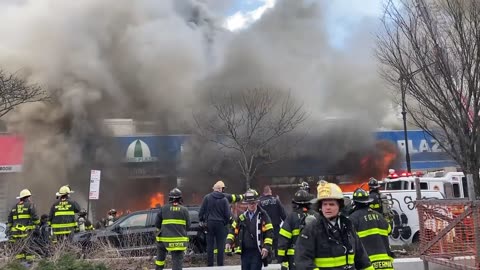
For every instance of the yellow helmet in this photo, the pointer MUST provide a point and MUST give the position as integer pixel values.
(64, 190)
(24, 193)
(219, 184)
(326, 190)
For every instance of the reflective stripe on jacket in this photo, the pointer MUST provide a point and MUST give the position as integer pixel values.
(173, 222)
(22, 219)
(290, 230)
(62, 216)
(373, 230)
(263, 231)
(323, 246)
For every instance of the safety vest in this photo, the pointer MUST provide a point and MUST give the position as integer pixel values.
(22, 219)
(373, 230)
(62, 216)
(290, 230)
(263, 231)
(324, 246)
(173, 222)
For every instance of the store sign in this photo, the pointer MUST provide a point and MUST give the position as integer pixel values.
(11, 154)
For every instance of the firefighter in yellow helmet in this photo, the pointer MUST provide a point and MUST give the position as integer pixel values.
(373, 230)
(62, 214)
(173, 222)
(330, 242)
(22, 221)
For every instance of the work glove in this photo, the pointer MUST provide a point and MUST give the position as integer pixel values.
(284, 266)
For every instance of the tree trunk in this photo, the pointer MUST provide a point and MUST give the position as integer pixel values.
(247, 182)
(476, 181)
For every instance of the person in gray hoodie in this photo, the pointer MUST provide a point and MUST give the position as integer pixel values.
(215, 212)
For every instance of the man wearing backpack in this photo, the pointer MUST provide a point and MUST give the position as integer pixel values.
(291, 228)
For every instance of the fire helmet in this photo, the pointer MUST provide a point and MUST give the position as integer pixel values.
(82, 213)
(64, 190)
(112, 212)
(219, 184)
(175, 194)
(251, 196)
(24, 193)
(373, 183)
(301, 197)
(304, 186)
(326, 190)
(361, 196)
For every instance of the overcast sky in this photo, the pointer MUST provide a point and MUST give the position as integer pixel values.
(342, 15)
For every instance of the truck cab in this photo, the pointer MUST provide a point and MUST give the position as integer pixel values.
(451, 184)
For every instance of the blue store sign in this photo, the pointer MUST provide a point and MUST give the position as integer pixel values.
(150, 148)
(425, 152)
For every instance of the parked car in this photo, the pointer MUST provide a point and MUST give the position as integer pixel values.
(3, 230)
(134, 234)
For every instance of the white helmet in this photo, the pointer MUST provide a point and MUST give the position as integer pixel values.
(24, 193)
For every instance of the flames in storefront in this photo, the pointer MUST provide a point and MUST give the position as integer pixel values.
(375, 163)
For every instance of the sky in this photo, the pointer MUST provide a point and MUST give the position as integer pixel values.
(342, 15)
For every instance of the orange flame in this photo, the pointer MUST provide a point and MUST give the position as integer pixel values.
(157, 199)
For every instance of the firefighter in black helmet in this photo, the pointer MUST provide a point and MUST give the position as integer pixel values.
(373, 230)
(292, 226)
(376, 203)
(253, 232)
(173, 222)
(84, 224)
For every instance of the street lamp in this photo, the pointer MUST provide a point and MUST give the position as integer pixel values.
(405, 133)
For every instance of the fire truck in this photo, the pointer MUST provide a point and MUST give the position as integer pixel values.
(451, 184)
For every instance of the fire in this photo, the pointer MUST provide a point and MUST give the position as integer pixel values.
(157, 199)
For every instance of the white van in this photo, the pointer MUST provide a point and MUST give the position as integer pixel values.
(405, 229)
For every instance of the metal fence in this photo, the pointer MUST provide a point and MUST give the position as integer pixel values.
(450, 231)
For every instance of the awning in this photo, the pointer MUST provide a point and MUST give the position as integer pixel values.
(11, 153)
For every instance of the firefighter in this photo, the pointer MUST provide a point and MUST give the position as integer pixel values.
(62, 214)
(376, 203)
(253, 232)
(373, 230)
(42, 237)
(292, 227)
(84, 224)
(274, 208)
(111, 217)
(173, 222)
(215, 212)
(330, 242)
(22, 221)
(232, 198)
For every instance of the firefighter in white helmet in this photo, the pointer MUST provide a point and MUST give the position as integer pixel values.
(62, 214)
(330, 241)
(22, 221)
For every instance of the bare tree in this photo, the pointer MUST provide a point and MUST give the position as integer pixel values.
(15, 90)
(431, 52)
(247, 125)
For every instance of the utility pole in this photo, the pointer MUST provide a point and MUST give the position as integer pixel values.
(404, 116)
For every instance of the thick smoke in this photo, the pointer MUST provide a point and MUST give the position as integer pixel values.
(158, 60)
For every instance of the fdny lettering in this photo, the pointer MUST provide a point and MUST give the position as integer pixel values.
(176, 245)
(63, 206)
(371, 217)
(174, 208)
(270, 201)
(20, 209)
(382, 265)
